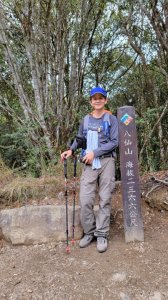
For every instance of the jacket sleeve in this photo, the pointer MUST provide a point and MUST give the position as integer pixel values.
(112, 144)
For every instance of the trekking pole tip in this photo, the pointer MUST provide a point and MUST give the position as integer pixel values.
(67, 249)
(73, 242)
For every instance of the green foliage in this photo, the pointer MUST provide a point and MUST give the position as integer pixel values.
(90, 39)
(19, 152)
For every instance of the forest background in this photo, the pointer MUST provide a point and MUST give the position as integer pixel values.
(53, 51)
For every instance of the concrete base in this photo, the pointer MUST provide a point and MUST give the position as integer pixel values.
(38, 224)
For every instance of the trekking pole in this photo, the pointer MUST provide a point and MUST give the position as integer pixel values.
(74, 198)
(66, 205)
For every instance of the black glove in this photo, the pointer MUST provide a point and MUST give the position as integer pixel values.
(81, 142)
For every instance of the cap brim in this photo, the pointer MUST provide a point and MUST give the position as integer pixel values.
(98, 93)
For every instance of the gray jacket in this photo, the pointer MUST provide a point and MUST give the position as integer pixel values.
(106, 144)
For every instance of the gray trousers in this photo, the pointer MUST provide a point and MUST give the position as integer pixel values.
(99, 224)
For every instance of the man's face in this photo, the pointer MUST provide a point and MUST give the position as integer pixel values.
(98, 101)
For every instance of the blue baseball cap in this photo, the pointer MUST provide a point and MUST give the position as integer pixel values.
(99, 90)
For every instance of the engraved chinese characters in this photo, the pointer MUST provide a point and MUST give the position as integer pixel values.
(133, 224)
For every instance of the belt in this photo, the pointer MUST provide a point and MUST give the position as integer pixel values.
(106, 155)
(102, 156)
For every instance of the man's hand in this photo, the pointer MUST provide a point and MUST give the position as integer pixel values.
(66, 154)
(88, 158)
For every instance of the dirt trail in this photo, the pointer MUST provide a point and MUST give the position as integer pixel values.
(131, 271)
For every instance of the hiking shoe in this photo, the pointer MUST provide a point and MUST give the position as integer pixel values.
(101, 244)
(86, 240)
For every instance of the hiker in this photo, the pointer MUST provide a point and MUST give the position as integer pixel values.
(98, 138)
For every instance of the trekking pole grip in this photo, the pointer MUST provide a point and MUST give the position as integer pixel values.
(75, 164)
(65, 168)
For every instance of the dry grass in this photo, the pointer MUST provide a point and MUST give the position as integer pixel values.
(15, 188)
(6, 174)
(22, 189)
